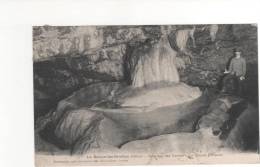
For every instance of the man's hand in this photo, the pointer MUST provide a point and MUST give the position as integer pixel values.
(242, 78)
(226, 71)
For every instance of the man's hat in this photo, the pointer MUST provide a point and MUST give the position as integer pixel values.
(236, 50)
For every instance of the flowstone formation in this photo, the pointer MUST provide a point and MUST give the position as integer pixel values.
(156, 65)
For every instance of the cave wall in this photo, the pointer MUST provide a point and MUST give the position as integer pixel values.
(68, 58)
(210, 58)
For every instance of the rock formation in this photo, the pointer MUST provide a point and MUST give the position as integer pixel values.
(157, 65)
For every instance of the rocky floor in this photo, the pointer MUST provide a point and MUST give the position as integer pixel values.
(116, 119)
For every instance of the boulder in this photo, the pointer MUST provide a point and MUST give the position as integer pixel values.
(220, 112)
(234, 120)
(74, 125)
(244, 136)
(86, 97)
(43, 146)
(93, 127)
(132, 123)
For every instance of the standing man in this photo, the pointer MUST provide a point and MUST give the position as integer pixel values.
(237, 69)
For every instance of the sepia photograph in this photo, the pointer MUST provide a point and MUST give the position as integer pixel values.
(145, 94)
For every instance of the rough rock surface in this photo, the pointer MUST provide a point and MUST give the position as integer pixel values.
(78, 126)
(74, 124)
(220, 111)
(210, 58)
(244, 132)
(68, 58)
(234, 120)
(87, 97)
(218, 121)
(202, 141)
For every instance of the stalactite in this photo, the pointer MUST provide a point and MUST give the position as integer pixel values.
(182, 38)
(180, 63)
(192, 36)
(213, 29)
(179, 43)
